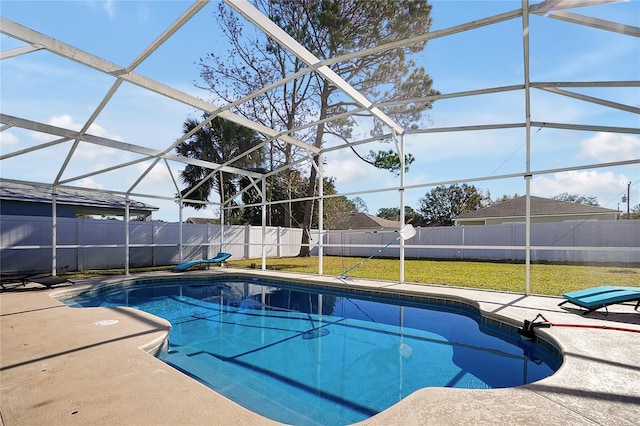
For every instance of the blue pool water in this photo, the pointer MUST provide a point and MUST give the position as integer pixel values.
(307, 356)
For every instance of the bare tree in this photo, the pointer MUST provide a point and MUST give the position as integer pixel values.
(327, 29)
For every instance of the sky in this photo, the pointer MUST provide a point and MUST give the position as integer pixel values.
(46, 88)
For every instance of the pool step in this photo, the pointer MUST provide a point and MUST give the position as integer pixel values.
(267, 400)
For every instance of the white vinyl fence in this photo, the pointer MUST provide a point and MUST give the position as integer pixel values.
(83, 244)
(26, 243)
(595, 241)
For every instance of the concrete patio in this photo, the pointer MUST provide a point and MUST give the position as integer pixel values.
(62, 365)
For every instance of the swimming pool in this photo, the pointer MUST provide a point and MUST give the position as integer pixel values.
(304, 355)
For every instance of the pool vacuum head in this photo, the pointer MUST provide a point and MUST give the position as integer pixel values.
(315, 333)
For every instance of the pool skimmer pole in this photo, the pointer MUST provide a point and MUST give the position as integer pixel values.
(406, 232)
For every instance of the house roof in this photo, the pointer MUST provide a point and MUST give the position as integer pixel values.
(539, 207)
(367, 221)
(30, 193)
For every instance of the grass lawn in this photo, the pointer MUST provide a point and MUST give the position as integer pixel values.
(546, 279)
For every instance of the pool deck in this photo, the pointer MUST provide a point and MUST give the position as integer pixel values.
(60, 365)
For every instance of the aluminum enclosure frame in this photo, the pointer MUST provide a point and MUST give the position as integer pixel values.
(551, 9)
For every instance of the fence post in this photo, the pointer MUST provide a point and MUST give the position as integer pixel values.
(207, 247)
(127, 259)
(79, 238)
(54, 235)
(153, 242)
(278, 241)
(247, 242)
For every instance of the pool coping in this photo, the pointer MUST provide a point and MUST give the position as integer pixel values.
(59, 366)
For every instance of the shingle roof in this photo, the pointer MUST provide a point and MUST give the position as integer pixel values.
(539, 207)
(367, 221)
(27, 192)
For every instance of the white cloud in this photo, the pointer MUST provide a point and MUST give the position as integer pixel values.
(86, 151)
(88, 183)
(158, 173)
(158, 181)
(606, 186)
(65, 121)
(607, 147)
(98, 130)
(8, 139)
(97, 154)
(346, 171)
(110, 7)
(143, 13)
(107, 5)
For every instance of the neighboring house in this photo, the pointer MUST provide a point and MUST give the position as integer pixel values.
(367, 221)
(25, 199)
(542, 210)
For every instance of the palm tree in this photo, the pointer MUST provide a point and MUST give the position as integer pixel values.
(218, 142)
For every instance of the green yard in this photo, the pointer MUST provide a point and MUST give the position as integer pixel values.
(547, 279)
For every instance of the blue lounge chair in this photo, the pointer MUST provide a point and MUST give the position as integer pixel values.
(219, 259)
(601, 297)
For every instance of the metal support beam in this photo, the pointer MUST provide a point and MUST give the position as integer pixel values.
(30, 36)
(599, 101)
(600, 24)
(127, 219)
(402, 201)
(320, 215)
(18, 51)
(54, 232)
(263, 210)
(527, 97)
(110, 143)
